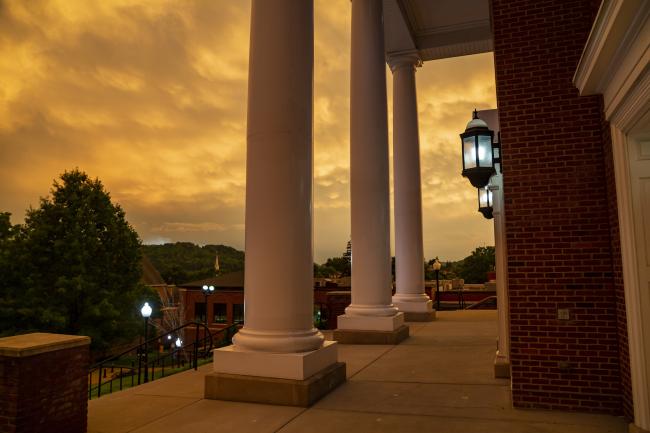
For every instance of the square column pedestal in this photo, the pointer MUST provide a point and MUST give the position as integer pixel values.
(371, 329)
(501, 367)
(290, 379)
(417, 311)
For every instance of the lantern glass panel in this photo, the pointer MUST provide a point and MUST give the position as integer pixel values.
(484, 151)
(469, 152)
(482, 197)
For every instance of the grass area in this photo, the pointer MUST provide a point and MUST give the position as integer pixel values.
(128, 381)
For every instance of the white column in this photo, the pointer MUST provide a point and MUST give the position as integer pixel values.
(410, 296)
(278, 305)
(371, 307)
(502, 360)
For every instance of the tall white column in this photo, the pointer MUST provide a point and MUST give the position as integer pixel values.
(278, 305)
(502, 359)
(371, 307)
(410, 296)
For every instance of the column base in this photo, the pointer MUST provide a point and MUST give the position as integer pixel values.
(501, 367)
(370, 323)
(268, 390)
(414, 307)
(633, 428)
(429, 316)
(355, 336)
(295, 366)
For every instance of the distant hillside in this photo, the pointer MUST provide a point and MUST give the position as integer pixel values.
(184, 261)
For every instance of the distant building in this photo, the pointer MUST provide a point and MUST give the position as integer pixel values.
(225, 305)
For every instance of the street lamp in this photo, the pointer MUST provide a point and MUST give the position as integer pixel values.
(207, 291)
(479, 152)
(485, 202)
(146, 313)
(436, 268)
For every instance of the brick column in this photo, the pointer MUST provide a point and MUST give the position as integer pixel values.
(44, 383)
(561, 244)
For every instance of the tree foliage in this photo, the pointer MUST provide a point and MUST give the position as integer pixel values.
(474, 268)
(182, 262)
(73, 267)
(334, 267)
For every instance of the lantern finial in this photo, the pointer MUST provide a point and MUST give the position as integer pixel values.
(475, 114)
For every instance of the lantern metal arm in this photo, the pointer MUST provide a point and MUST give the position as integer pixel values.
(496, 159)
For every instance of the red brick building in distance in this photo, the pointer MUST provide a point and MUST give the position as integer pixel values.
(225, 305)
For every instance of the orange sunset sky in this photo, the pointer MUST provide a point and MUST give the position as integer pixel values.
(150, 97)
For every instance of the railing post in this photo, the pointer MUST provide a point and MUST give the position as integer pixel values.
(139, 352)
(99, 382)
(146, 352)
(196, 348)
(110, 386)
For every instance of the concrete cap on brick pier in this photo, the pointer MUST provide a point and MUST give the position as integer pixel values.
(20, 346)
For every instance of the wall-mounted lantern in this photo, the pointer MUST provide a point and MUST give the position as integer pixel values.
(479, 152)
(485, 202)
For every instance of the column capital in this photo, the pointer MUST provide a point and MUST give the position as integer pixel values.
(400, 59)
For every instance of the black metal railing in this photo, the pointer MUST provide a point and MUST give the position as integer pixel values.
(137, 365)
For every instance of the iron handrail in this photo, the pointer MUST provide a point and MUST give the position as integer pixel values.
(176, 355)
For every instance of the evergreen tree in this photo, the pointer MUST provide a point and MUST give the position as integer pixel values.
(79, 265)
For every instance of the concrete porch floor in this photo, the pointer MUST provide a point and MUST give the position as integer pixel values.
(438, 380)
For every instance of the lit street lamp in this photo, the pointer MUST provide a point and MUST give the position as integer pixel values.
(485, 202)
(207, 291)
(436, 267)
(479, 152)
(146, 313)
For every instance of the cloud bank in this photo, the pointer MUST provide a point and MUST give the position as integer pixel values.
(150, 97)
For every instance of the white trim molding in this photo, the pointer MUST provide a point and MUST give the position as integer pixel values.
(633, 307)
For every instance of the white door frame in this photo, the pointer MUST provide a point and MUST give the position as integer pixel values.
(638, 343)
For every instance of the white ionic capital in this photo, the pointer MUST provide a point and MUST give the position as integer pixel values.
(401, 59)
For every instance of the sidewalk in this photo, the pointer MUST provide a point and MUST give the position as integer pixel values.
(439, 380)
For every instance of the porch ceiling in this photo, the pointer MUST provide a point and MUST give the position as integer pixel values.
(437, 29)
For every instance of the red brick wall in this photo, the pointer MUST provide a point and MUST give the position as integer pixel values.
(558, 221)
(192, 297)
(45, 393)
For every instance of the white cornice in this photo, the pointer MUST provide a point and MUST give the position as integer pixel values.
(595, 42)
(631, 108)
(615, 30)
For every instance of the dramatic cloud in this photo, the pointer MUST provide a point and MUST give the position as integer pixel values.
(150, 97)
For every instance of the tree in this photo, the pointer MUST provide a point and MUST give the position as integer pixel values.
(80, 260)
(9, 271)
(474, 268)
(341, 266)
(182, 262)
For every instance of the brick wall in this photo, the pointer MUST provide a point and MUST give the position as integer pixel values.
(46, 392)
(559, 228)
(192, 297)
